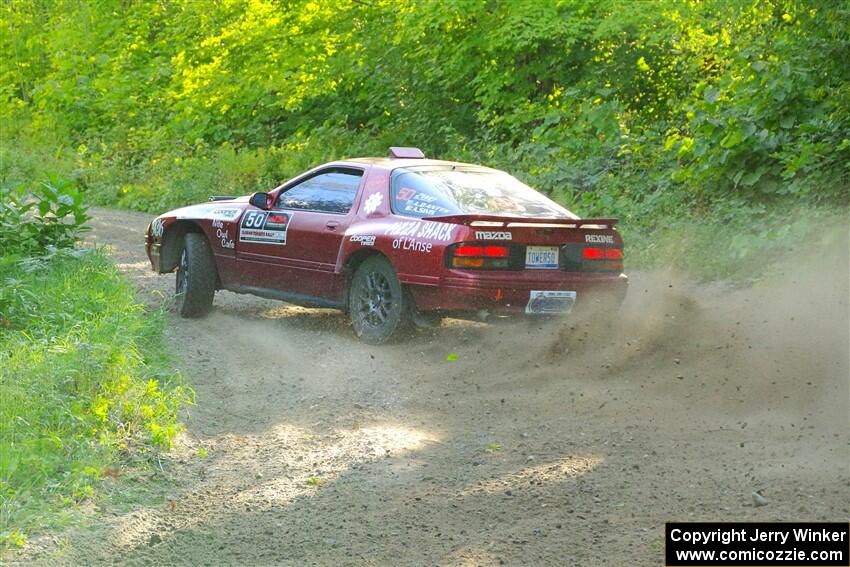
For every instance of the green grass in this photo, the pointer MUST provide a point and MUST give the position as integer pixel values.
(85, 385)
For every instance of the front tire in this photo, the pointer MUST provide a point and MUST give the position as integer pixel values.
(380, 308)
(195, 279)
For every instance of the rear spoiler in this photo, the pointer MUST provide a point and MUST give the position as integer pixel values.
(515, 222)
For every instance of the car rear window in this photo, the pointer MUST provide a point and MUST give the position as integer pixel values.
(429, 192)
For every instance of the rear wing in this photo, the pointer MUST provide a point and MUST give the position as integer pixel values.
(511, 222)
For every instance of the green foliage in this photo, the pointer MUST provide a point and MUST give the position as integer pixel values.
(49, 216)
(771, 124)
(662, 113)
(84, 379)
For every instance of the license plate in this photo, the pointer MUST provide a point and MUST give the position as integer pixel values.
(541, 257)
(550, 302)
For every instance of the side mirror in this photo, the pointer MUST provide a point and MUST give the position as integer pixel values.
(260, 200)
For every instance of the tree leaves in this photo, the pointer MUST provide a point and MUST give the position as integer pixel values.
(577, 96)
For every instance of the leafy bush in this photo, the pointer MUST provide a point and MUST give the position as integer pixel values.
(32, 221)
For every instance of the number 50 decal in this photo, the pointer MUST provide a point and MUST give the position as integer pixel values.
(264, 227)
(254, 219)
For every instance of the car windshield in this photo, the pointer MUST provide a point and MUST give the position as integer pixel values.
(429, 192)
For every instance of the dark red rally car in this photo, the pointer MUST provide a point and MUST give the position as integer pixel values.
(393, 241)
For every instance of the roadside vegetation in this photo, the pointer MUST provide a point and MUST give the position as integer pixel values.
(86, 387)
(718, 131)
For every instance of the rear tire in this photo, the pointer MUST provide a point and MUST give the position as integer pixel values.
(380, 309)
(195, 278)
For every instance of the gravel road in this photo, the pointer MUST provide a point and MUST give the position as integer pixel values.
(563, 444)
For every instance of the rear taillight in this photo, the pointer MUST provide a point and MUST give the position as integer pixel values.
(601, 259)
(602, 253)
(579, 257)
(478, 256)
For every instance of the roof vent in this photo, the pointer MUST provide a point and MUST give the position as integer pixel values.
(406, 153)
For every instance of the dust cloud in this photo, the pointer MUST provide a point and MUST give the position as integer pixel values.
(535, 442)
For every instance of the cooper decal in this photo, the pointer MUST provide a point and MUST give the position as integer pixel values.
(599, 238)
(225, 214)
(487, 235)
(364, 239)
(264, 227)
(209, 212)
(157, 227)
(372, 203)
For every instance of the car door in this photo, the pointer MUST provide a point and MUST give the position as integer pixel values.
(297, 241)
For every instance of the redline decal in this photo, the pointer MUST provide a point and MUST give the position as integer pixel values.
(599, 238)
(277, 221)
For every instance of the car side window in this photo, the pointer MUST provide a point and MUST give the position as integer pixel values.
(328, 192)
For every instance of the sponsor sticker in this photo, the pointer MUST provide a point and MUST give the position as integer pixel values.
(225, 214)
(364, 239)
(488, 235)
(224, 238)
(419, 203)
(209, 212)
(599, 238)
(157, 226)
(440, 231)
(372, 203)
(277, 221)
(264, 227)
(413, 245)
(550, 302)
(405, 194)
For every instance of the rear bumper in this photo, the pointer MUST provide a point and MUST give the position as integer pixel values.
(509, 293)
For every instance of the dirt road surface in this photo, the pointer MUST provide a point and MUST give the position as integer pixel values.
(563, 444)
